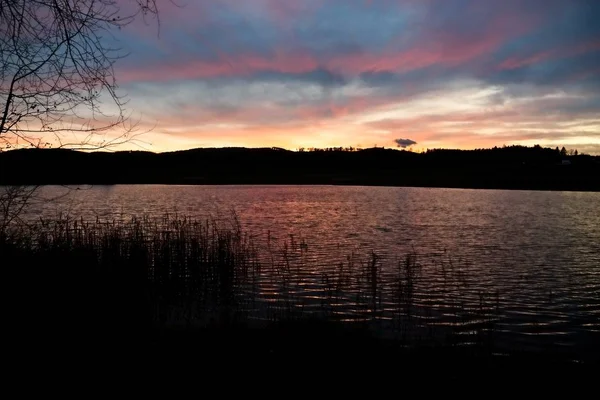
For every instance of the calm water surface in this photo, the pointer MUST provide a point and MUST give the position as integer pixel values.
(532, 256)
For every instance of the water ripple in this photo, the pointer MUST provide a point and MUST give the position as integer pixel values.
(523, 264)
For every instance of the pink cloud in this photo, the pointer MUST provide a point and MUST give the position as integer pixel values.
(434, 48)
(553, 54)
(450, 54)
(516, 62)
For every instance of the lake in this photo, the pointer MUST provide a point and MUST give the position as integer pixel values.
(531, 259)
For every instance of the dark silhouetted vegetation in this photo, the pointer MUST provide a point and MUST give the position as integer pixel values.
(179, 291)
(514, 167)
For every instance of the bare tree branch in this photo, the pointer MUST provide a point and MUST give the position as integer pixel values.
(56, 68)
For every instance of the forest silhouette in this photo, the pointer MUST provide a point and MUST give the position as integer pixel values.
(511, 167)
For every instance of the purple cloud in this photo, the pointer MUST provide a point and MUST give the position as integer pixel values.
(404, 143)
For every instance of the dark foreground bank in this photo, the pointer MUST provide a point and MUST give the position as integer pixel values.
(297, 353)
(171, 297)
(513, 167)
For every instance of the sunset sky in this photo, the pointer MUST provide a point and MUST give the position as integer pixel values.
(320, 73)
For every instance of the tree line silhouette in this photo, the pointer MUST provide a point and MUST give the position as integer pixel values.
(514, 167)
(563, 152)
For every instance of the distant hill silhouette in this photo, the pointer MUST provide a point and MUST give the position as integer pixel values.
(514, 167)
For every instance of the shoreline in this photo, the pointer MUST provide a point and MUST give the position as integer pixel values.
(315, 184)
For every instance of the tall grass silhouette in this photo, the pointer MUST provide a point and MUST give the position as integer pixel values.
(122, 282)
